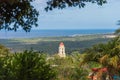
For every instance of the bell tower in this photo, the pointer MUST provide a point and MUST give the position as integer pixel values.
(61, 50)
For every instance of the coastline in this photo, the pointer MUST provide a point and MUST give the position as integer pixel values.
(53, 33)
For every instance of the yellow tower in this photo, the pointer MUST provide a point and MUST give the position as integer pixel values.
(61, 50)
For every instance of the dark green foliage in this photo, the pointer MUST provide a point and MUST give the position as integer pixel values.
(60, 4)
(28, 65)
(97, 51)
(107, 55)
(16, 14)
(32, 66)
(68, 68)
(2, 69)
(80, 74)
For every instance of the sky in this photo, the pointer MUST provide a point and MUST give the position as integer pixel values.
(90, 17)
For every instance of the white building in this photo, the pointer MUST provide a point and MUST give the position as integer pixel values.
(61, 50)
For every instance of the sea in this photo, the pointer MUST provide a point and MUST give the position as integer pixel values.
(52, 33)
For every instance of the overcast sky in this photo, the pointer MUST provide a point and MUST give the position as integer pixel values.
(90, 17)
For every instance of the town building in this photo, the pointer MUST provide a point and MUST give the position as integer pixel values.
(61, 50)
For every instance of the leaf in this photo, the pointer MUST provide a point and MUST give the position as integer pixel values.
(104, 59)
(114, 61)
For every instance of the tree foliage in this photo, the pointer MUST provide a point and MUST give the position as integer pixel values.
(17, 13)
(108, 55)
(27, 65)
(60, 4)
(68, 68)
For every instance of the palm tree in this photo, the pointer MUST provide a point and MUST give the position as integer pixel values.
(107, 55)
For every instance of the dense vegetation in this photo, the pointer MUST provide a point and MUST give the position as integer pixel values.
(30, 65)
(107, 55)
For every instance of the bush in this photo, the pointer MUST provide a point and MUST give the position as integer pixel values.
(28, 65)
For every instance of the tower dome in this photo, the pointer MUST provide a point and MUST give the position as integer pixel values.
(61, 44)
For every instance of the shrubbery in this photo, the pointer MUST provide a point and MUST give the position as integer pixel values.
(28, 65)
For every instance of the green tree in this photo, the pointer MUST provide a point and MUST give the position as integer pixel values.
(28, 65)
(107, 55)
(33, 66)
(4, 60)
(68, 68)
(60, 4)
(17, 13)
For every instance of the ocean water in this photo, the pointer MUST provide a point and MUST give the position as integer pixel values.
(51, 33)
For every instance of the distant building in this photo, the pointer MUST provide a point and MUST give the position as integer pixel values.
(61, 50)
